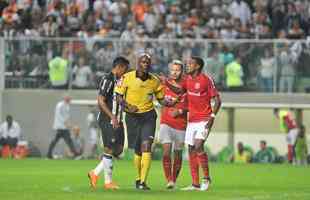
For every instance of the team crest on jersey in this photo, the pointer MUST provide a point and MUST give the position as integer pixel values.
(197, 86)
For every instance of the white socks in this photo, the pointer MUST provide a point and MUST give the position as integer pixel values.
(106, 164)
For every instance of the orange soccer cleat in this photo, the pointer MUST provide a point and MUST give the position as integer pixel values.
(111, 186)
(93, 178)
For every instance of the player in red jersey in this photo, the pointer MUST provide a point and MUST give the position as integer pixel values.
(200, 91)
(288, 125)
(172, 125)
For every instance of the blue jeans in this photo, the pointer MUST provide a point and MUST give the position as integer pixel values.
(266, 84)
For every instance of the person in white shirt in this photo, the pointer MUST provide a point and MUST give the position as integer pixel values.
(10, 132)
(62, 126)
(240, 9)
(82, 74)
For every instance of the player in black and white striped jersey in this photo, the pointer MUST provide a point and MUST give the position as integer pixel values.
(110, 122)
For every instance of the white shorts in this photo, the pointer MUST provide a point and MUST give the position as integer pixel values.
(292, 136)
(195, 130)
(93, 136)
(171, 135)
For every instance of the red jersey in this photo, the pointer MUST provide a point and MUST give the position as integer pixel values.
(289, 121)
(180, 121)
(200, 90)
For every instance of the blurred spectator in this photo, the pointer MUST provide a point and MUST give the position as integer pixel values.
(50, 27)
(59, 70)
(234, 76)
(214, 66)
(92, 130)
(78, 143)
(82, 75)
(301, 149)
(9, 13)
(240, 9)
(10, 132)
(287, 70)
(264, 155)
(241, 156)
(295, 32)
(139, 9)
(3, 5)
(267, 71)
(129, 33)
(62, 125)
(150, 21)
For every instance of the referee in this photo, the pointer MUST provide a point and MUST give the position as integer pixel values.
(136, 91)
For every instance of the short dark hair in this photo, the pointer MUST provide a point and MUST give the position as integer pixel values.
(9, 117)
(199, 61)
(120, 60)
(263, 142)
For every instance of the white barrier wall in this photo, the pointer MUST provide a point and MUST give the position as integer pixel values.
(34, 110)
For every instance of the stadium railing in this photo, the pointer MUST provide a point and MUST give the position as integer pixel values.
(25, 60)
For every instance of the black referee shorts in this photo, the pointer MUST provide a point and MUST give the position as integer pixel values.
(112, 138)
(140, 127)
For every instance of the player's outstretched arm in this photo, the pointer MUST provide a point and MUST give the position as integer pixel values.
(165, 102)
(175, 87)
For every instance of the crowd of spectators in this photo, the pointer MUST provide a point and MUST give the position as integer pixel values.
(103, 29)
(226, 19)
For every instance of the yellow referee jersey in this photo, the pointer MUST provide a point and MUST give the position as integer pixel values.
(140, 93)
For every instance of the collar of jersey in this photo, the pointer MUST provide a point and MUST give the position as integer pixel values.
(148, 76)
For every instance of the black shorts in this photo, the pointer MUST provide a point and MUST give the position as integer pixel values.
(112, 138)
(140, 127)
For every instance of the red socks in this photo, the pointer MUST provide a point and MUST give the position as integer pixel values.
(290, 153)
(177, 165)
(171, 175)
(204, 163)
(167, 167)
(194, 167)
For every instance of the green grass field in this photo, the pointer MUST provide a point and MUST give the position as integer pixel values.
(33, 179)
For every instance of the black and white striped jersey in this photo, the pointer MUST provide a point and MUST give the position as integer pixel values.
(106, 89)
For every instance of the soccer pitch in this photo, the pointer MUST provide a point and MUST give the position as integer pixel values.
(34, 179)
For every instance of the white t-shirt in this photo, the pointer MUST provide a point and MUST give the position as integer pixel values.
(13, 132)
(268, 66)
(62, 114)
(82, 75)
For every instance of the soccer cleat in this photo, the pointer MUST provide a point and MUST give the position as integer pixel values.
(93, 178)
(205, 184)
(170, 185)
(143, 186)
(111, 186)
(137, 184)
(191, 188)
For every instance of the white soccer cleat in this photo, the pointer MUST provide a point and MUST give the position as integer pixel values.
(205, 185)
(191, 188)
(170, 185)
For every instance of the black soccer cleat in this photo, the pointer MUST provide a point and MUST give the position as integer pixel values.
(143, 186)
(137, 184)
